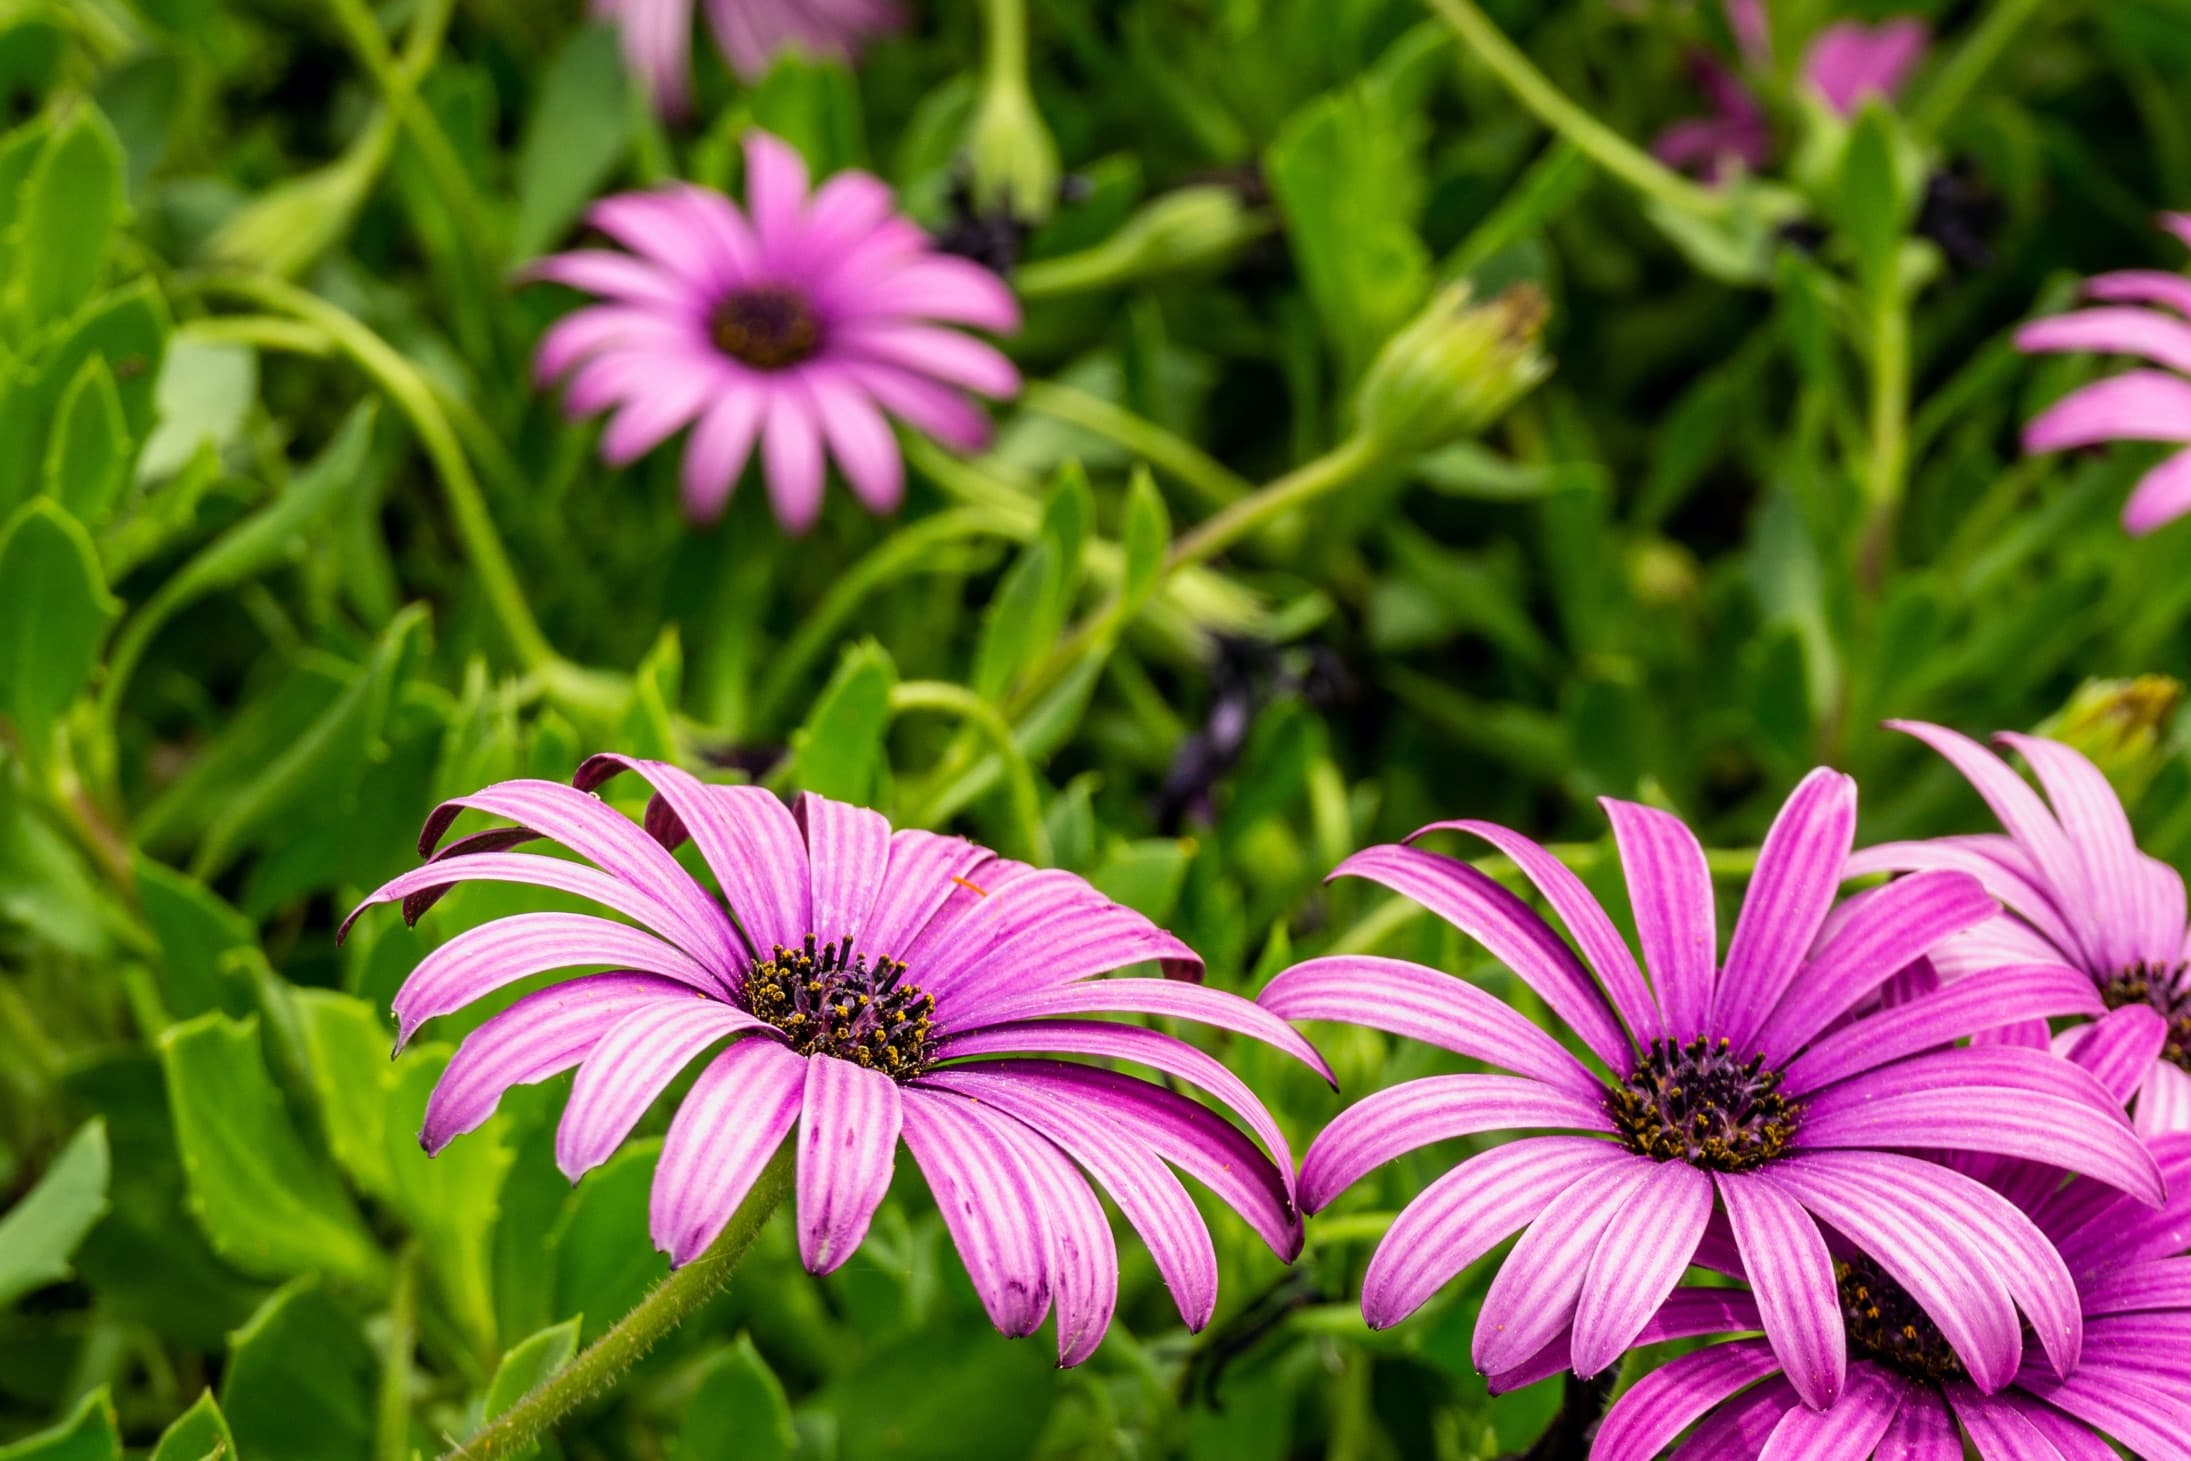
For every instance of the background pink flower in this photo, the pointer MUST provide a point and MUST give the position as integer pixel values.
(658, 35)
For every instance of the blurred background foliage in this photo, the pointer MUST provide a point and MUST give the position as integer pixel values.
(290, 548)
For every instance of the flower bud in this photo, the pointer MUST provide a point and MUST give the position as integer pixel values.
(2122, 726)
(1454, 369)
(1014, 158)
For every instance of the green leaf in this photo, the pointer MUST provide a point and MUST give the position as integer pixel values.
(1068, 517)
(299, 1380)
(89, 1434)
(38, 1234)
(71, 205)
(197, 931)
(54, 611)
(603, 1263)
(738, 1409)
(204, 394)
(199, 1434)
(129, 329)
(531, 1362)
(1011, 627)
(268, 1205)
(87, 457)
(840, 748)
(1148, 536)
(1871, 197)
(814, 106)
(578, 132)
(650, 722)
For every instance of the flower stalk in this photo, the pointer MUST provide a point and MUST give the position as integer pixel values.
(663, 1309)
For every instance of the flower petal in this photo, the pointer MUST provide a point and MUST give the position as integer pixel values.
(728, 1126)
(2138, 405)
(2098, 830)
(1966, 1007)
(658, 226)
(848, 1144)
(2141, 286)
(1996, 862)
(932, 409)
(717, 451)
(1638, 1262)
(1849, 1431)
(1534, 1293)
(922, 872)
(859, 439)
(2161, 496)
(1670, 889)
(776, 184)
(2119, 1049)
(1083, 1256)
(945, 355)
(1216, 1008)
(1506, 927)
(1422, 1004)
(791, 455)
(544, 1034)
(848, 848)
(620, 277)
(1671, 1398)
(1413, 1114)
(1791, 1272)
(632, 1065)
(2162, 339)
(1798, 875)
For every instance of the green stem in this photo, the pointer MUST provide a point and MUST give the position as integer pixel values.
(1006, 34)
(415, 398)
(1216, 484)
(1600, 143)
(1959, 78)
(665, 1306)
(1885, 472)
(957, 700)
(1299, 487)
(394, 1428)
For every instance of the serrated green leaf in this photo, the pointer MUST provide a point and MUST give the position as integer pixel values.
(39, 1234)
(267, 1204)
(299, 1380)
(840, 748)
(196, 931)
(54, 611)
(89, 1434)
(71, 205)
(87, 457)
(529, 1363)
(738, 1409)
(199, 1434)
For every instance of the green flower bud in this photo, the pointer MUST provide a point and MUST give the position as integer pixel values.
(1014, 159)
(2123, 726)
(1198, 227)
(1454, 369)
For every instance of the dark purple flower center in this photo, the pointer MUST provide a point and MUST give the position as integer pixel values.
(1699, 1103)
(769, 328)
(829, 1001)
(1885, 1324)
(2162, 986)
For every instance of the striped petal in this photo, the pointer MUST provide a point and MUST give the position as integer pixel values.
(728, 1126)
(1790, 1270)
(633, 1064)
(1403, 1118)
(1534, 1294)
(848, 1145)
(1638, 1262)
(1798, 876)
(1670, 889)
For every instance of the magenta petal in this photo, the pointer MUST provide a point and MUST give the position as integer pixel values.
(748, 837)
(1893, 927)
(2164, 1101)
(1742, 1425)
(717, 451)
(1146, 1192)
(1422, 1004)
(543, 1034)
(922, 872)
(2074, 1441)
(935, 410)
(728, 1126)
(2092, 818)
(657, 43)
(2148, 1420)
(791, 454)
(1413, 1114)
(1673, 1397)
(859, 439)
(2161, 496)
(1996, 1430)
(848, 848)
(936, 287)
(2147, 333)
(2138, 405)
(986, 1203)
(1167, 997)
(634, 1063)
(2141, 286)
(1792, 1274)
(1849, 61)
(587, 332)
(1996, 862)
(1514, 935)
(1469, 1211)
(2161, 1283)
(423, 885)
(776, 184)
(848, 1144)
(648, 420)
(1638, 1262)
(1040, 934)
(495, 955)
(1534, 1293)
(948, 356)
(2120, 1048)
(658, 226)
(1798, 875)
(1850, 1430)
(1083, 1256)
(1942, 1017)
(1670, 889)
(617, 276)
(1922, 1430)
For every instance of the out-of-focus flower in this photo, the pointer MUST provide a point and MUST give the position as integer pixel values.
(1846, 63)
(1909, 1396)
(874, 986)
(1739, 1088)
(1454, 369)
(2076, 890)
(795, 322)
(2140, 312)
(657, 36)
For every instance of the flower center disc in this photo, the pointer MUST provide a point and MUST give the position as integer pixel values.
(1697, 1103)
(1885, 1323)
(830, 1002)
(768, 328)
(2162, 987)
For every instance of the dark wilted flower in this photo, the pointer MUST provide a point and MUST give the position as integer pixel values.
(867, 986)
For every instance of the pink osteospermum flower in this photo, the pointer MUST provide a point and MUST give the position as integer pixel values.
(1743, 1091)
(2141, 313)
(657, 36)
(794, 323)
(2075, 890)
(1909, 1397)
(1851, 61)
(867, 986)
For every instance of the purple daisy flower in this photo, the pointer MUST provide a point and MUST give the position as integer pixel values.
(795, 323)
(657, 36)
(867, 986)
(1740, 1091)
(2075, 890)
(1909, 1395)
(2139, 312)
